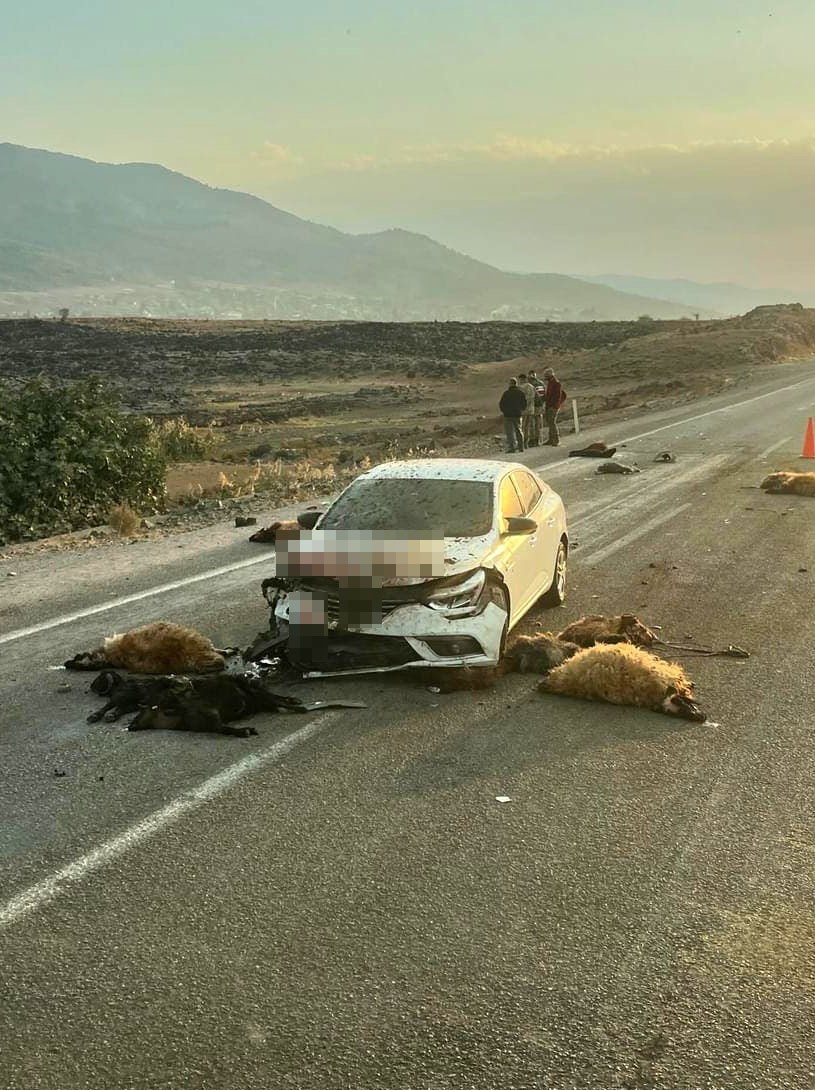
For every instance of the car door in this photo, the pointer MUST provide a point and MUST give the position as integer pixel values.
(518, 551)
(541, 504)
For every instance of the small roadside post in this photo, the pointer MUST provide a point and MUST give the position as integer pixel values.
(575, 416)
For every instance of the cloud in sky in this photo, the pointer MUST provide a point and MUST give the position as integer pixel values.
(714, 210)
(276, 153)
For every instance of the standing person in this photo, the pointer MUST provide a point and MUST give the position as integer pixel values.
(555, 397)
(512, 407)
(529, 411)
(540, 398)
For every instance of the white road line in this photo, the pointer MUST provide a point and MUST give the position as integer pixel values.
(765, 453)
(113, 603)
(644, 528)
(644, 496)
(213, 573)
(49, 888)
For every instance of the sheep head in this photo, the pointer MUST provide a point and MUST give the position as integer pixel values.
(681, 704)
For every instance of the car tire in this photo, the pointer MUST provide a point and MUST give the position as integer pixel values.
(556, 594)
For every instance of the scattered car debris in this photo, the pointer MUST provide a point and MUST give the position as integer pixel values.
(594, 450)
(628, 675)
(503, 798)
(665, 456)
(433, 689)
(58, 773)
(65, 687)
(617, 467)
(245, 520)
(790, 483)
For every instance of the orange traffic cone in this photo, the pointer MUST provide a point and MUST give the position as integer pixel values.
(809, 440)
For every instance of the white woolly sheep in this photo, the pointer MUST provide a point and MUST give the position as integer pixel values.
(623, 674)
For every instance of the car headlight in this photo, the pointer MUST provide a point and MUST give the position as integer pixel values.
(459, 599)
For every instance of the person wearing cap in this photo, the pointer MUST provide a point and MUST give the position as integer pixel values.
(553, 403)
(512, 407)
(537, 415)
(529, 411)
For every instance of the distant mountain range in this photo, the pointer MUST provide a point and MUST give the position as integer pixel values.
(137, 238)
(725, 299)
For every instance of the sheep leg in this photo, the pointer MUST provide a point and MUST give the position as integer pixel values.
(238, 732)
(96, 716)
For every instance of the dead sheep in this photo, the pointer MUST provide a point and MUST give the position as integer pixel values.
(159, 648)
(624, 674)
(538, 654)
(790, 483)
(212, 705)
(594, 450)
(268, 535)
(616, 467)
(599, 629)
(126, 695)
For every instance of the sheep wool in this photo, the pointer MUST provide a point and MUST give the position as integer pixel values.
(621, 673)
(599, 629)
(538, 654)
(796, 484)
(162, 648)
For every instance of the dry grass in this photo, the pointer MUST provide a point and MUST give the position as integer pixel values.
(123, 519)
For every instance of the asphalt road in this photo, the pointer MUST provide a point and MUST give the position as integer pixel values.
(342, 902)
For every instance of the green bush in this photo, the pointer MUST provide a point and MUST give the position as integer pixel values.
(68, 454)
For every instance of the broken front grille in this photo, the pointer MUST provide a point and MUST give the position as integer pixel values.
(356, 605)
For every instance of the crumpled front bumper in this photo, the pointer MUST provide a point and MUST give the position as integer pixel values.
(412, 635)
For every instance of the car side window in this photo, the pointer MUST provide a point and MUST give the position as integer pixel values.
(511, 504)
(529, 491)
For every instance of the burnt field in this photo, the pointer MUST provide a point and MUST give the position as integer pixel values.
(338, 393)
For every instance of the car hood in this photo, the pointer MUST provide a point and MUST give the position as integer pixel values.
(397, 563)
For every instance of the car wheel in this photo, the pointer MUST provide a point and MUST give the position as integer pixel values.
(556, 594)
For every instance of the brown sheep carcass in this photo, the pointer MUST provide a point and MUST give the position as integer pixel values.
(158, 648)
(268, 535)
(789, 483)
(624, 674)
(599, 629)
(537, 654)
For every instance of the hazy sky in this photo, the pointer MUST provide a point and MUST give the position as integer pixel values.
(659, 137)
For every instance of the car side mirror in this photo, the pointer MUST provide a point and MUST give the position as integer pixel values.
(307, 520)
(518, 525)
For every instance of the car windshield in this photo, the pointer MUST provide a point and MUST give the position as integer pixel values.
(414, 505)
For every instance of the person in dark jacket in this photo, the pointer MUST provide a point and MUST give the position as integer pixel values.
(555, 396)
(512, 407)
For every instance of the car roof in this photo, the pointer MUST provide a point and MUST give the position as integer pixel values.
(445, 469)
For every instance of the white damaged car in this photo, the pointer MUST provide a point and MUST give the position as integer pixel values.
(418, 563)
